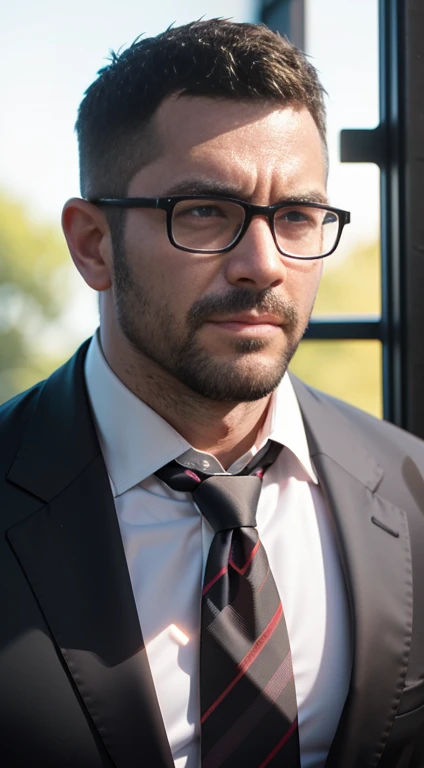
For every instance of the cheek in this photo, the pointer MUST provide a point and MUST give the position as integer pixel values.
(303, 282)
(178, 277)
(316, 273)
(173, 285)
(182, 279)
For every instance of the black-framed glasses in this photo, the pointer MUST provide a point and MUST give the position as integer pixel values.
(213, 224)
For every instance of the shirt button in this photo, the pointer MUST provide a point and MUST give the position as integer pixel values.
(204, 464)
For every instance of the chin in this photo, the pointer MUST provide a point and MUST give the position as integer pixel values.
(247, 380)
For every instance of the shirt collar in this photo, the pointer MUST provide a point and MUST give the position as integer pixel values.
(284, 424)
(136, 441)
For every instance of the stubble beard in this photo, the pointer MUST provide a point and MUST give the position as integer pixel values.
(153, 333)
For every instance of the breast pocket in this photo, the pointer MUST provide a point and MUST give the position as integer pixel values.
(409, 721)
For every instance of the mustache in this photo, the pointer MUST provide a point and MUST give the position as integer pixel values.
(242, 300)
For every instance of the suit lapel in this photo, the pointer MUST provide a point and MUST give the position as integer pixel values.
(373, 541)
(72, 554)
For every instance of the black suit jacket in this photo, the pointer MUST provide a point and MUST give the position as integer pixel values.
(75, 684)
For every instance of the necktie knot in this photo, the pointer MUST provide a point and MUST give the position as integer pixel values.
(228, 501)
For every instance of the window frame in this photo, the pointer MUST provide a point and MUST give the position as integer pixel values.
(396, 146)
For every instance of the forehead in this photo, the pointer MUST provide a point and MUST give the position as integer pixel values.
(255, 147)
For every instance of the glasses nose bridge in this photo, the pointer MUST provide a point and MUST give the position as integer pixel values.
(263, 211)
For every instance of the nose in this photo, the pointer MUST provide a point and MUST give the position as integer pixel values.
(256, 262)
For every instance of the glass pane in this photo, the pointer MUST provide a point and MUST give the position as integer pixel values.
(342, 43)
(351, 283)
(352, 275)
(349, 370)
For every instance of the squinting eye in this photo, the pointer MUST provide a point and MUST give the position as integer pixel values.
(294, 217)
(330, 218)
(204, 211)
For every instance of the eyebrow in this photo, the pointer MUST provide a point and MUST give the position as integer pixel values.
(204, 187)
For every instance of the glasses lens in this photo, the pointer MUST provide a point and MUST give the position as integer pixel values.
(206, 225)
(306, 231)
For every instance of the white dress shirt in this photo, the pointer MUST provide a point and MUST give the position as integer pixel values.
(167, 541)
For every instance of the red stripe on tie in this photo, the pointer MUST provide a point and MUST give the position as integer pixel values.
(243, 570)
(248, 659)
(265, 579)
(193, 475)
(250, 718)
(215, 578)
(279, 745)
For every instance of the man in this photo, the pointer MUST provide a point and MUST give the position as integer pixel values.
(142, 623)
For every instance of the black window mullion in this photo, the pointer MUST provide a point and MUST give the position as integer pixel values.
(397, 146)
(360, 327)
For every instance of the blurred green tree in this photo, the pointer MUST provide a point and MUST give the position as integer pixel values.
(350, 370)
(34, 271)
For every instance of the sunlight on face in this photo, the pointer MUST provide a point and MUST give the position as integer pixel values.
(225, 325)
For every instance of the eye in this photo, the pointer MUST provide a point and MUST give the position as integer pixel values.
(204, 211)
(305, 215)
(330, 218)
(295, 216)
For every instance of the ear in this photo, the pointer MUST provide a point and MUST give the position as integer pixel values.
(88, 237)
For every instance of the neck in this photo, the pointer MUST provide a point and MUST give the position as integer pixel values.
(225, 430)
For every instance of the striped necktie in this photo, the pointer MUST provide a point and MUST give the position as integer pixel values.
(247, 691)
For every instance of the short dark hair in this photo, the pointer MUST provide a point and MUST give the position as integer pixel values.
(212, 58)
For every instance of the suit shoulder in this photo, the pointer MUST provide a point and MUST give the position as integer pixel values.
(18, 405)
(370, 427)
(14, 418)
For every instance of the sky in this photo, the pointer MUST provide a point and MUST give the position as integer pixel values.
(51, 51)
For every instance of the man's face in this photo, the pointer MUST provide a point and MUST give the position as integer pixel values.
(225, 325)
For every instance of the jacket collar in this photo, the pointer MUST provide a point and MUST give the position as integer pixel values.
(331, 434)
(60, 441)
